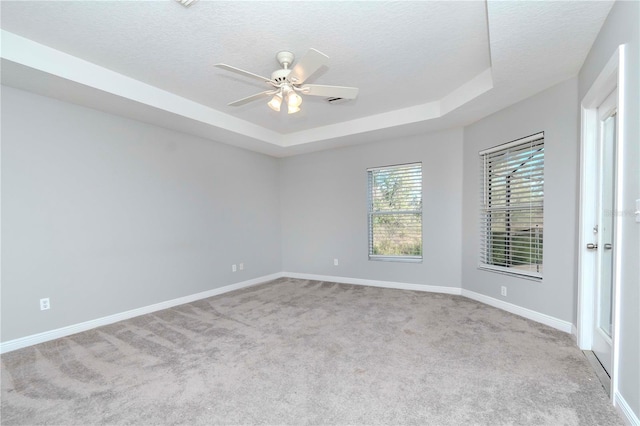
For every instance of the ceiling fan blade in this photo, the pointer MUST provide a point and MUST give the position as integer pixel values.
(243, 72)
(252, 98)
(329, 91)
(310, 63)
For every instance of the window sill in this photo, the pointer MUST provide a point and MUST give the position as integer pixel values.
(512, 273)
(401, 259)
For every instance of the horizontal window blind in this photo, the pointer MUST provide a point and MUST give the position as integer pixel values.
(512, 206)
(395, 212)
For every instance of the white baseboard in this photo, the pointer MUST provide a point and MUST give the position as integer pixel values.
(375, 283)
(623, 408)
(556, 323)
(545, 319)
(46, 336)
(34, 339)
(619, 402)
(574, 333)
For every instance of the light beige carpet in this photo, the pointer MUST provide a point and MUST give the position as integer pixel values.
(306, 352)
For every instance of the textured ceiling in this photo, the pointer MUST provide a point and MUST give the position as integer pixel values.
(418, 65)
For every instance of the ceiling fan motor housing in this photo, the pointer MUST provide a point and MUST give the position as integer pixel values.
(279, 76)
(285, 57)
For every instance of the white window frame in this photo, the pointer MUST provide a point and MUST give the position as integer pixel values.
(371, 214)
(493, 205)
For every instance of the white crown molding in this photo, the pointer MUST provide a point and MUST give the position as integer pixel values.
(470, 90)
(33, 55)
(467, 92)
(51, 61)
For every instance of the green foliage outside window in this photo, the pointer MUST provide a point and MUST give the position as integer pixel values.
(395, 211)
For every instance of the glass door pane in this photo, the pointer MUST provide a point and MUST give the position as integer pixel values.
(607, 223)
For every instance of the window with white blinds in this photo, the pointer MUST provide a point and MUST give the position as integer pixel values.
(395, 213)
(512, 205)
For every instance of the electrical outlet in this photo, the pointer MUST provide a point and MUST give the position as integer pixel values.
(234, 268)
(241, 266)
(335, 262)
(45, 304)
(503, 291)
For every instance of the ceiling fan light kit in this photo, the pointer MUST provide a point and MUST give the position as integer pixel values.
(275, 102)
(293, 99)
(289, 82)
(288, 93)
(292, 109)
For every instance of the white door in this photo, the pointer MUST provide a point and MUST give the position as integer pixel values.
(604, 243)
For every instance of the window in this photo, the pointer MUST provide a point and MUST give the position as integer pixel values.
(511, 227)
(395, 213)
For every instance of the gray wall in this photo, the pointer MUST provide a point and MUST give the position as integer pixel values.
(621, 27)
(324, 210)
(554, 111)
(103, 214)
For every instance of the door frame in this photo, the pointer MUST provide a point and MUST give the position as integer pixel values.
(610, 78)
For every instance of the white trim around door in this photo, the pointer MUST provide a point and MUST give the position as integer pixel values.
(611, 78)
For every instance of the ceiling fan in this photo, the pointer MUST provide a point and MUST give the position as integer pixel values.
(288, 83)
